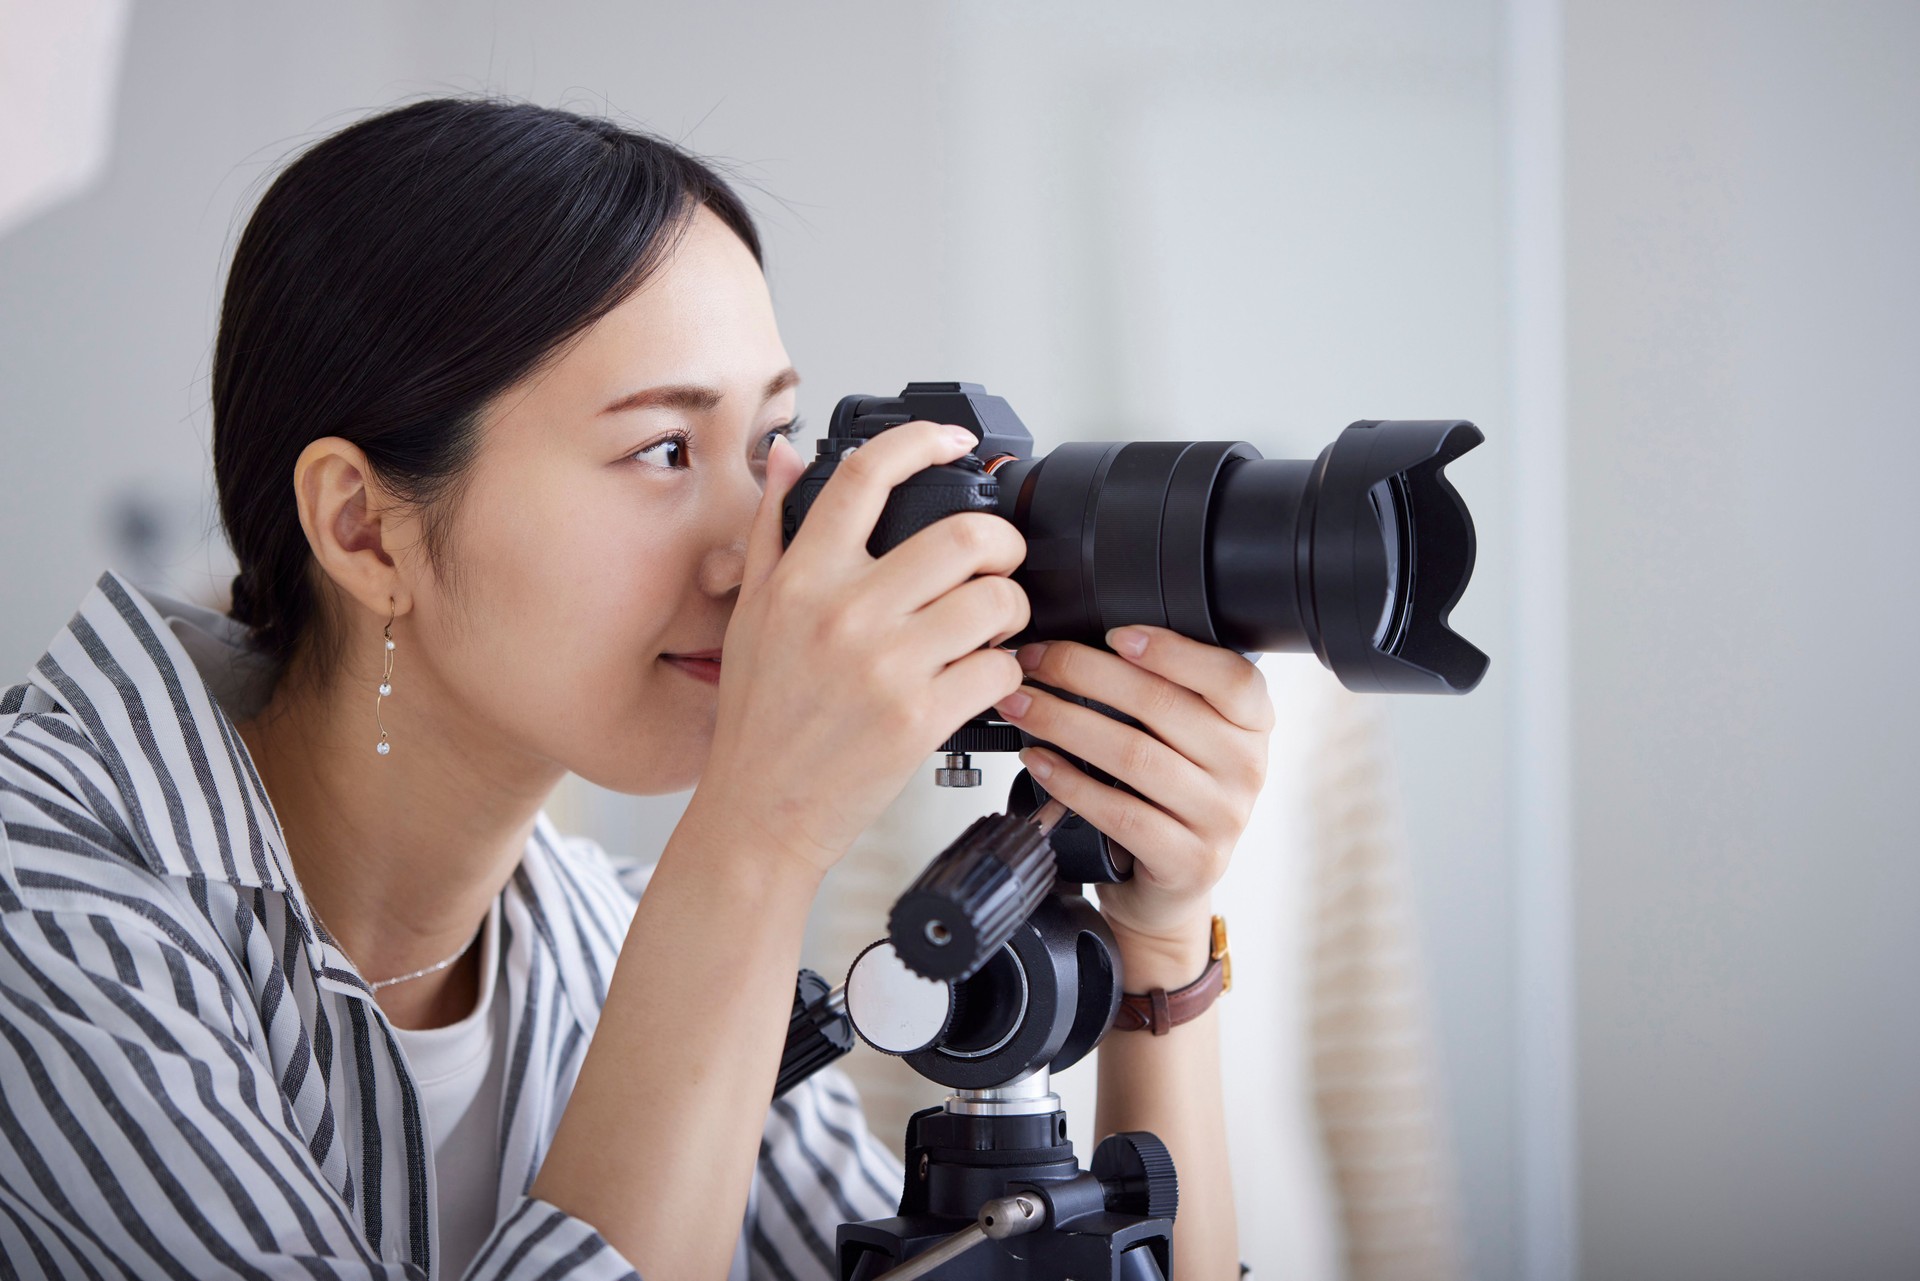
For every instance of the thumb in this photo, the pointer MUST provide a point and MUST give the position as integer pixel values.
(764, 545)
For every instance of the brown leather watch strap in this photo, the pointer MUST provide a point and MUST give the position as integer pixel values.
(1160, 1011)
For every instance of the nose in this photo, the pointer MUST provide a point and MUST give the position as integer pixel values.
(732, 507)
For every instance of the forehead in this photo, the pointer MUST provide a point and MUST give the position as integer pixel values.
(704, 316)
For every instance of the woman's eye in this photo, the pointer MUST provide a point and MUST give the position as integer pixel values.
(669, 452)
(790, 430)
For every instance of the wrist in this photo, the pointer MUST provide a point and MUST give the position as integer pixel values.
(1166, 956)
(730, 841)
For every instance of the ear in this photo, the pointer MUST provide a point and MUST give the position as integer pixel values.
(358, 532)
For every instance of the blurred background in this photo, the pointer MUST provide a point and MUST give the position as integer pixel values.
(1605, 970)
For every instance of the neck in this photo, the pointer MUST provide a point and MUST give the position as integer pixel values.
(400, 855)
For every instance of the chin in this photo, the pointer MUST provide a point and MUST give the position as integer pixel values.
(650, 783)
(648, 772)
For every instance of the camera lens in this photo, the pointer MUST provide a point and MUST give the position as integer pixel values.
(1393, 607)
(1357, 556)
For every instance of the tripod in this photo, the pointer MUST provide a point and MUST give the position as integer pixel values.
(996, 972)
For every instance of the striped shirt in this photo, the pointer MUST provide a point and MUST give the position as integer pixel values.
(194, 1079)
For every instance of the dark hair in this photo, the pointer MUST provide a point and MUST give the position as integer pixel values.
(395, 278)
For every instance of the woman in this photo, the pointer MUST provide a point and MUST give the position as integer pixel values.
(295, 977)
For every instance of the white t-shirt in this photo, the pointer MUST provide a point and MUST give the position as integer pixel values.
(460, 1069)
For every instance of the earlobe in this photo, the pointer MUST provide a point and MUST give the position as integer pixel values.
(345, 515)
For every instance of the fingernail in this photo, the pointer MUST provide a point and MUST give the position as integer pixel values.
(1030, 655)
(1127, 641)
(962, 437)
(1037, 765)
(1014, 705)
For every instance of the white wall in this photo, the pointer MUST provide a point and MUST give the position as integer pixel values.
(1743, 215)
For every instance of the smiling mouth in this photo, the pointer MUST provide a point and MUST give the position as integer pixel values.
(703, 666)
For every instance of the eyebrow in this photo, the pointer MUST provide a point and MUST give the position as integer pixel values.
(696, 399)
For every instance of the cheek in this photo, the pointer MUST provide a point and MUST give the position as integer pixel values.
(560, 608)
(584, 555)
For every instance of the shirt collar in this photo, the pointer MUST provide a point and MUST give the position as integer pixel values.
(139, 673)
(156, 685)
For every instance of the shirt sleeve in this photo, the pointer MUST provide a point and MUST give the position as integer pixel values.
(142, 1135)
(820, 1166)
(540, 1240)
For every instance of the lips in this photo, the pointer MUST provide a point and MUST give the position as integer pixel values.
(703, 665)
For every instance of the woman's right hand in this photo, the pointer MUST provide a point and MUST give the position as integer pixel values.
(841, 673)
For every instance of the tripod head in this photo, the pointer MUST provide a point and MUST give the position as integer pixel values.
(994, 967)
(996, 971)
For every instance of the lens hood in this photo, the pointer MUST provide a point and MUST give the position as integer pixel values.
(1392, 548)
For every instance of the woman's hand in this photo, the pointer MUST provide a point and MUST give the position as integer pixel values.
(841, 673)
(1199, 762)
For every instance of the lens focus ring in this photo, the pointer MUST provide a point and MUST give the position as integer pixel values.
(1126, 533)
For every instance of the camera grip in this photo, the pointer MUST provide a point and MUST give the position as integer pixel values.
(915, 503)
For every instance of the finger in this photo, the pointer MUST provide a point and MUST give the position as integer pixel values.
(784, 466)
(850, 502)
(946, 554)
(1123, 819)
(1133, 756)
(972, 684)
(1233, 685)
(985, 611)
(1177, 716)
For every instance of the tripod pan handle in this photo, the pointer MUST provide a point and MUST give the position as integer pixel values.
(1000, 1218)
(818, 1032)
(971, 898)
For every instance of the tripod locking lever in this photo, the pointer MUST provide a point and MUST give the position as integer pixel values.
(975, 894)
(1000, 1218)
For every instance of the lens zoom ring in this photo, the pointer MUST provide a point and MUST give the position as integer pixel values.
(1126, 534)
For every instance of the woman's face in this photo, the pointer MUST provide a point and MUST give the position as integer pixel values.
(602, 527)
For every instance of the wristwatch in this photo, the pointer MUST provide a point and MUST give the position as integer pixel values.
(1160, 1011)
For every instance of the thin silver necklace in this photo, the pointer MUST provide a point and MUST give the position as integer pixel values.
(435, 968)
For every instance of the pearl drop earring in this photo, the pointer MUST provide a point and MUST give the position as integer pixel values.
(386, 685)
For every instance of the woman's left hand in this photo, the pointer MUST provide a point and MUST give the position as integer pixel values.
(1199, 761)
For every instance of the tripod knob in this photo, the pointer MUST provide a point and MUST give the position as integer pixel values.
(970, 900)
(1137, 1171)
(818, 1032)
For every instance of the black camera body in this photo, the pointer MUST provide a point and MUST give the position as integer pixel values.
(1357, 556)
